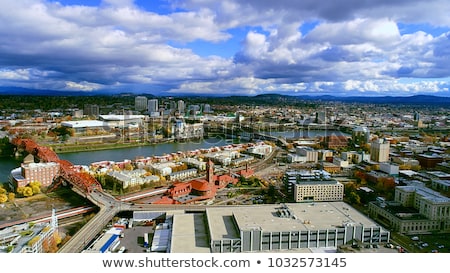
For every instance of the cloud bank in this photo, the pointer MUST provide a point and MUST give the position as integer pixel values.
(291, 47)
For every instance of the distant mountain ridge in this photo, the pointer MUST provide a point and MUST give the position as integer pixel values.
(266, 98)
(415, 99)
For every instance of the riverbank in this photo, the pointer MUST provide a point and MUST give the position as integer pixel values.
(75, 148)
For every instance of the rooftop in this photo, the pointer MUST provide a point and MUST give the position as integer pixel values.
(301, 216)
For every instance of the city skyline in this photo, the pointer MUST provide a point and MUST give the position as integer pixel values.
(169, 47)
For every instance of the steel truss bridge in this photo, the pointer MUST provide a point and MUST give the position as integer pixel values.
(79, 179)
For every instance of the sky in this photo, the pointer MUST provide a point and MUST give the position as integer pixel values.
(227, 47)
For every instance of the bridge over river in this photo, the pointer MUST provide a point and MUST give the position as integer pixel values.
(83, 181)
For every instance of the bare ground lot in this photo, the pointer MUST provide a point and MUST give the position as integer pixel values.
(40, 204)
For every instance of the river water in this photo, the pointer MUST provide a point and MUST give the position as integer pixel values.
(86, 158)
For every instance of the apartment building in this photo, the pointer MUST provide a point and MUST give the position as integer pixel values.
(315, 187)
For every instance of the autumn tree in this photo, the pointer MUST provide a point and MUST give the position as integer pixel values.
(35, 186)
(11, 197)
(354, 198)
(3, 198)
(25, 191)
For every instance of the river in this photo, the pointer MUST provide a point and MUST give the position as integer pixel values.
(86, 158)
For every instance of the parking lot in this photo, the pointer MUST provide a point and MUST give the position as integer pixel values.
(133, 238)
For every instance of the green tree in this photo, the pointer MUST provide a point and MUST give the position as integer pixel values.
(354, 198)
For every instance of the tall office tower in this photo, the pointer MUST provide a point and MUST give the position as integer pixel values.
(153, 107)
(172, 105)
(207, 108)
(181, 107)
(140, 103)
(360, 135)
(379, 150)
(91, 110)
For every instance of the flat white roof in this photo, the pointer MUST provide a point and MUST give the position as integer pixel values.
(304, 216)
(83, 123)
(120, 117)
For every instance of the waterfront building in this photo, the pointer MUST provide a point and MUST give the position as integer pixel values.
(132, 178)
(182, 175)
(260, 150)
(184, 131)
(193, 162)
(121, 121)
(44, 173)
(82, 126)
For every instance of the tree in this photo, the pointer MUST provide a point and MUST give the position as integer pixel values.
(354, 198)
(11, 197)
(35, 186)
(3, 198)
(25, 191)
(128, 166)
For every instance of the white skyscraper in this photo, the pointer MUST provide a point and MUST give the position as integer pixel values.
(153, 109)
(181, 106)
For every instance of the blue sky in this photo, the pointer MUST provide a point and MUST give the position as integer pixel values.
(229, 47)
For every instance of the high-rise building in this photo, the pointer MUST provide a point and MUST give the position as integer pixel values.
(379, 150)
(91, 110)
(207, 108)
(360, 135)
(140, 103)
(153, 109)
(181, 106)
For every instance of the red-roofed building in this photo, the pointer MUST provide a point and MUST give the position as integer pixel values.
(247, 172)
(197, 189)
(222, 181)
(179, 189)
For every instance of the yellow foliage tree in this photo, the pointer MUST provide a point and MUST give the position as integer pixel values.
(27, 191)
(11, 196)
(3, 198)
(129, 167)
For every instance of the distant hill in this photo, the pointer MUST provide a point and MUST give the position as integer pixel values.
(258, 99)
(414, 100)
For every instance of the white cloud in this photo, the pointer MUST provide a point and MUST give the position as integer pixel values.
(354, 46)
(11, 75)
(81, 86)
